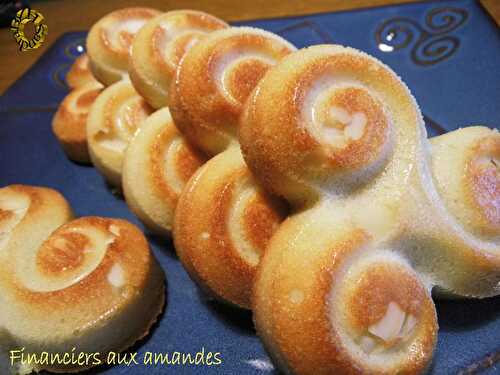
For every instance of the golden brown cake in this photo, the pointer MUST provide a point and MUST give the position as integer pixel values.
(159, 160)
(462, 219)
(90, 283)
(465, 166)
(79, 73)
(70, 121)
(159, 46)
(110, 39)
(333, 301)
(107, 60)
(223, 220)
(157, 165)
(223, 223)
(214, 79)
(344, 285)
(114, 118)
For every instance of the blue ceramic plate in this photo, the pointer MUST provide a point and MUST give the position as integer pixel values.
(448, 52)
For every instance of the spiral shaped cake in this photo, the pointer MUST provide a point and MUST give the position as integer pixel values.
(110, 39)
(344, 285)
(341, 302)
(79, 73)
(223, 223)
(70, 121)
(465, 165)
(90, 283)
(157, 165)
(457, 237)
(214, 79)
(159, 46)
(223, 220)
(338, 134)
(107, 60)
(114, 118)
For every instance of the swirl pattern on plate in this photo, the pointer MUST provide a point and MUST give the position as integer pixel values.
(344, 285)
(157, 165)
(430, 43)
(223, 220)
(114, 118)
(159, 46)
(90, 283)
(70, 121)
(110, 39)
